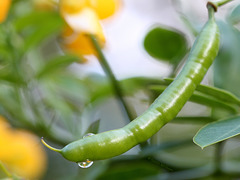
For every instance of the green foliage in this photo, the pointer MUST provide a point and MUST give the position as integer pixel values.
(166, 44)
(214, 92)
(217, 131)
(93, 128)
(202, 98)
(36, 26)
(41, 93)
(56, 64)
(129, 170)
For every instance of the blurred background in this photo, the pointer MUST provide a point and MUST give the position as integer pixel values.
(49, 90)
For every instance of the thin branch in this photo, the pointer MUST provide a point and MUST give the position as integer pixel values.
(116, 87)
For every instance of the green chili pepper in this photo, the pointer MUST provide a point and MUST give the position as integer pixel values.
(165, 107)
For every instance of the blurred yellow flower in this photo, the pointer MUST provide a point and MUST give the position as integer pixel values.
(4, 7)
(78, 43)
(21, 152)
(83, 17)
(105, 8)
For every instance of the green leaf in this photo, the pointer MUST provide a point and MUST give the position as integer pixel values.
(217, 131)
(8, 74)
(25, 23)
(201, 98)
(206, 100)
(234, 16)
(37, 26)
(64, 92)
(193, 119)
(166, 44)
(57, 63)
(129, 170)
(131, 85)
(218, 93)
(100, 88)
(93, 127)
(153, 149)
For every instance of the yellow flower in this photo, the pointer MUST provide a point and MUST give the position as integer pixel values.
(21, 152)
(105, 8)
(83, 17)
(4, 7)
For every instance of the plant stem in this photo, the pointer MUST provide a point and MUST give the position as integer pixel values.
(5, 170)
(218, 158)
(116, 87)
(211, 10)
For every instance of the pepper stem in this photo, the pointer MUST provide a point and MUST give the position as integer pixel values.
(50, 147)
(211, 10)
(220, 2)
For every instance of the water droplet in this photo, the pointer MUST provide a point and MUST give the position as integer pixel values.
(85, 164)
(88, 134)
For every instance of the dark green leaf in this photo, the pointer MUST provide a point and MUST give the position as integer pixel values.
(129, 171)
(192, 119)
(217, 131)
(166, 44)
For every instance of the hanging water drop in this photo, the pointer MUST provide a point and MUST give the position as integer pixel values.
(85, 164)
(88, 134)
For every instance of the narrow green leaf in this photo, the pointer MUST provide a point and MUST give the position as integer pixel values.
(36, 26)
(193, 119)
(201, 98)
(93, 128)
(217, 131)
(57, 63)
(206, 100)
(218, 93)
(101, 88)
(206, 95)
(221, 94)
(131, 85)
(166, 44)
